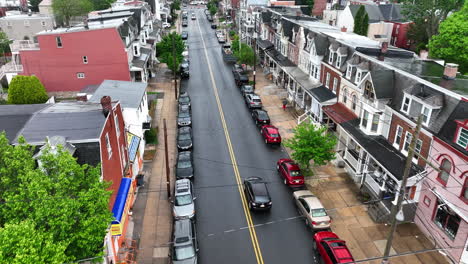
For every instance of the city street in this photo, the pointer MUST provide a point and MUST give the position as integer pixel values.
(224, 235)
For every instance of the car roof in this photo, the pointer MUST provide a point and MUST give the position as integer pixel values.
(182, 187)
(185, 154)
(182, 232)
(184, 130)
(254, 96)
(291, 165)
(259, 188)
(313, 202)
(272, 129)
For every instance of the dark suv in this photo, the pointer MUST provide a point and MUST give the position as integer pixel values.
(184, 243)
(260, 117)
(240, 78)
(184, 166)
(257, 194)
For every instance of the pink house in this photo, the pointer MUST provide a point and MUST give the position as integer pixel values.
(442, 212)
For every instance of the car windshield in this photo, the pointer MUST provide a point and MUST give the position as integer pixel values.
(184, 164)
(184, 114)
(184, 99)
(184, 252)
(274, 135)
(318, 212)
(257, 100)
(262, 115)
(295, 173)
(183, 199)
(184, 136)
(248, 88)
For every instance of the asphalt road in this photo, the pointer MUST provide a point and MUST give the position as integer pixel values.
(221, 221)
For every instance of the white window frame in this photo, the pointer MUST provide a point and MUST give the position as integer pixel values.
(406, 142)
(349, 71)
(80, 75)
(358, 78)
(344, 95)
(85, 59)
(108, 146)
(365, 114)
(316, 72)
(117, 128)
(428, 116)
(399, 136)
(330, 57)
(405, 97)
(339, 61)
(372, 123)
(335, 85)
(327, 80)
(460, 136)
(43, 23)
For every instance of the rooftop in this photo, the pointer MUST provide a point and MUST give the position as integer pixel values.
(14, 117)
(130, 94)
(93, 25)
(23, 16)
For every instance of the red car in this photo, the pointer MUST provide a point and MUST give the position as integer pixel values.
(331, 249)
(290, 172)
(271, 134)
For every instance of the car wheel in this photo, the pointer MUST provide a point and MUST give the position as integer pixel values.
(285, 182)
(277, 167)
(250, 206)
(306, 222)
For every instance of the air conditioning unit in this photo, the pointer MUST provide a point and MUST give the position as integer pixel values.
(146, 125)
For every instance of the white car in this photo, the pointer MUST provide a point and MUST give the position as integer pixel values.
(166, 25)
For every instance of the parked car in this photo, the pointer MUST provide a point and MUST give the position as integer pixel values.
(193, 16)
(184, 138)
(210, 18)
(184, 242)
(214, 26)
(260, 117)
(183, 204)
(253, 101)
(246, 89)
(184, 166)
(290, 172)
(221, 39)
(184, 70)
(256, 193)
(184, 99)
(331, 249)
(311, 208)
(240, 79)
(184, 117)
(271, 134)
(184, 23)
(184, 35)
(166, 25)
(237, 68)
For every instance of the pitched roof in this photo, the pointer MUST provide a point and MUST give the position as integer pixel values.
(322, 94)
(372, 11)
(321, 44)
(266, 17)
(391, 12)
(447, 133)
(130, 94)
(383, 81)
(14, 117)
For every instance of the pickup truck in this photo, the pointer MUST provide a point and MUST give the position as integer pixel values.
(228, 56)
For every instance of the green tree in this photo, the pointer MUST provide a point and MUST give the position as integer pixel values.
(26, 90)
(64, 10)
(246, 55)
(361, 21)
(428, 14)
(365, 25)
(175, 6)
(451, 44)
(34, 5)
(417, 34)
(4, 44)
(101, 4)
(22, 243)
(212, 7)
(165, 52)
(66, 201)
(310, 4)
(312, 143)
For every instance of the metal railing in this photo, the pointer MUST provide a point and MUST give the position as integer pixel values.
(10, 67)
(18, 45)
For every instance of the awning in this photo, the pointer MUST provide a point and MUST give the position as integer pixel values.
(121, 202)
(133, 144)
(339, 113)
(322, 94)
(279, 58)
(452, 207)
(264, 44)
(301, 77)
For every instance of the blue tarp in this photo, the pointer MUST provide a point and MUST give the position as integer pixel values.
(119, 204)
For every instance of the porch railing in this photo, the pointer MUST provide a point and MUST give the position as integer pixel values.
(352, 160)
(18, 45)
(373, 185)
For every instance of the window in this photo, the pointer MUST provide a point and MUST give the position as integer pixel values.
(43, 23)
(444, 174)
(375, 123)
(335, 84)
(330, 57)
(447, 220)
(109, 147)
(316, 72)
(349, 71)
(85, 59)
(117, 126)
(407, 142)
(26, 23)
(405, 105)
(313, 51)
(462, 139)
(417, 150)
(327, 81)
(398, 134)
(338, 61)
(353, 102)
(358, 76)
(59, 42)
(427, 201)
(365, 118)
(369, 91)
(80, 75)
(122, 153)
(426, 114)
(345, 91)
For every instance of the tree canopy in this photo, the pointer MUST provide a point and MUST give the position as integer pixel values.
(426, 16)
(451, 44)
(165, 52)
(101, 4)
(311, 143)
(64, 10)
(60, 206)
(34, 5)
(212, 7)
(26, 90)
(361, 22)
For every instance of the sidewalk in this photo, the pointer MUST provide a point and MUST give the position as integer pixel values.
(337, 192)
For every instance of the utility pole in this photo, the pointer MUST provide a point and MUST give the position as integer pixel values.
(168, 180)
(174, 70)
(255, 51)
(401, 193)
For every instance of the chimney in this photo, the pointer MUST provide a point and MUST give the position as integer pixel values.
(344, 29)
(85, 22)
(450, 71)
(384, 47)
(106, 104)
(81, 97)
(423, 54)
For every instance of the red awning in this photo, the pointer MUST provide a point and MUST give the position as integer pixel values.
(339, 113)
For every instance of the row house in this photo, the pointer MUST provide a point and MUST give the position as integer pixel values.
(117, 44)
(95, 135)
(247, 16)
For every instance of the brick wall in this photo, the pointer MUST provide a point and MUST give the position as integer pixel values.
(426, 145)
(333, 76)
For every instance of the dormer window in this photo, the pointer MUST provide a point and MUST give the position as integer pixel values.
(331, 57)
(338, 61)
(369, 91)
(462, 139)
(359, 75)
(406, 104)
(349, 71)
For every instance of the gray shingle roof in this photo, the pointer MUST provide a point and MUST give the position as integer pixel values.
(321, 44)
(383, 81)
(322, 94)
(14, 117)
(391, 12)
(372, 11)
(130, 94)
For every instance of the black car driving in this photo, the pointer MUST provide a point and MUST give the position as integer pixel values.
(260, 117)
(257, 194)
(184, 166)
(184, 138)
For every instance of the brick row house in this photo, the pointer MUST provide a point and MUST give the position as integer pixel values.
(118, 44)
(370, 94)
(95, 135)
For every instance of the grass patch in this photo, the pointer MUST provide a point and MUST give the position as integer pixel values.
(151, 136)
(152, 92)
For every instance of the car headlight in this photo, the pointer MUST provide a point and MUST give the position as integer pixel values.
(254, 204)
(269, 203)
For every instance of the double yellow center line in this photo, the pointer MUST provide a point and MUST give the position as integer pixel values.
(248, 217)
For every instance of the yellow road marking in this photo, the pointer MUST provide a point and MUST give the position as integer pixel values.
(248, 217)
